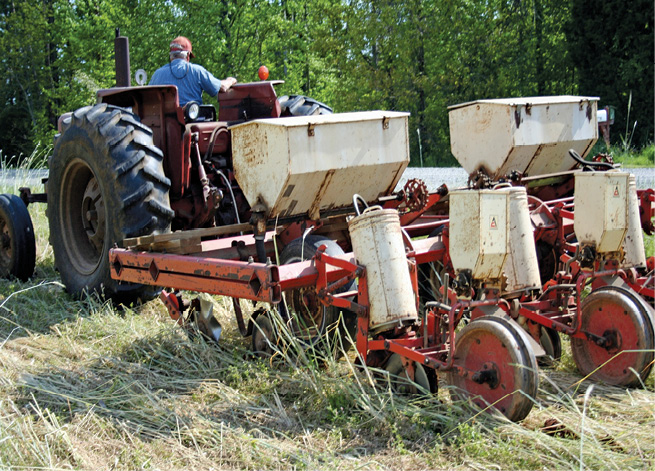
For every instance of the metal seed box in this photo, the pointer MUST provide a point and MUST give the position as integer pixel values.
(307, 164)
(601, 209)
(531, 135)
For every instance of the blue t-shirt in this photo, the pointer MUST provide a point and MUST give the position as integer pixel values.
(190, 79)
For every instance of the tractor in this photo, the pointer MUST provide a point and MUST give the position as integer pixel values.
(137, 166)
(137, 163)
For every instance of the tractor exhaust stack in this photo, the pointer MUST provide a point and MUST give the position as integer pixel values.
(122, 58)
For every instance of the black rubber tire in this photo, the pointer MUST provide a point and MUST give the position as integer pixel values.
(300, 105)
(17, 244)
(552, 345)
(324, 318)
(547, 261)
(264, 337)
(106, 184)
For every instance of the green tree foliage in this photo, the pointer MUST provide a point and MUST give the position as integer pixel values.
(26, 46)
(612, 45)
(418, 56)
(423, 55)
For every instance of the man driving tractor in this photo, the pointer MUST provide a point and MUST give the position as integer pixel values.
(190, 79)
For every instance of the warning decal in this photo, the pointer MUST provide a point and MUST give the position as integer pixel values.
(493, 224)
(616, 191)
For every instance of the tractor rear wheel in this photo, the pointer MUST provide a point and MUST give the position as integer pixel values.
(106, 184)
(300, 105)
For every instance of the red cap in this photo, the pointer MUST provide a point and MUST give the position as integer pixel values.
(181, 44)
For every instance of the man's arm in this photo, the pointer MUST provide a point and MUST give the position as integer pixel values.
(212, 85)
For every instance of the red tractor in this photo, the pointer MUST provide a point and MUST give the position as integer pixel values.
(138, 163)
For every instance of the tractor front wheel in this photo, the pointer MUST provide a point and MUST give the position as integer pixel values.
(300, 105)
(17, 244)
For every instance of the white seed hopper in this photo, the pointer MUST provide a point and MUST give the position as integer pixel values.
(602, 202)
(479, 232)
(308, 164)
(531, 135)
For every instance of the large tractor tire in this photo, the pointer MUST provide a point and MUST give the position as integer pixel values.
(106, 184)
(300, 105)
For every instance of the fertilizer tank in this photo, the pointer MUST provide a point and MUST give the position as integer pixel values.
(378, 245)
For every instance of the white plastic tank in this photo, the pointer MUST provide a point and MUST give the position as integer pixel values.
(378, 245)
(479, 232)
(521, 266)
(601, 202)
(633, 244)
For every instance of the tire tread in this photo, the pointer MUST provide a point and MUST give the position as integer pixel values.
(123, 154)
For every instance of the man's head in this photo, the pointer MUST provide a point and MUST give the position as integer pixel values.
(180, 48)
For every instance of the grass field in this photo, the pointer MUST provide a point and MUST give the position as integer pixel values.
(86, 386)
(628, 158)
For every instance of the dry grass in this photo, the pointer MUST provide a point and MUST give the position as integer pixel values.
(85, 386)
(93, 388)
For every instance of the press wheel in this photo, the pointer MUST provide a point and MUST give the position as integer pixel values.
(647, 309)
(406, 382)
(625, 325)
(550, 341)
(264, 336)
(502, 365)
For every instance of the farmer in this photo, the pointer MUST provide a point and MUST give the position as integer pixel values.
(190, 79)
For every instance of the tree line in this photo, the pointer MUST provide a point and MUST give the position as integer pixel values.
(419, 56)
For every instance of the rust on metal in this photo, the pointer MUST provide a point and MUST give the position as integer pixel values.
(255, 281)
(314, 209)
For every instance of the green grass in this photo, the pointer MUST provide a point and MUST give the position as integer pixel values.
(86, 386)
(643, 158)
(649, 245)
(628, 158)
